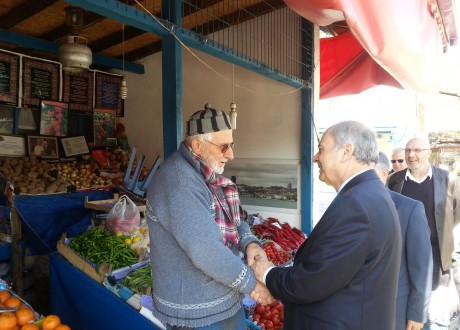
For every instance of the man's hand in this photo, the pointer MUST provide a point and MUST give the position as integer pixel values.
(260, 265)
(252, 251)
(412, 325)
(261, 294)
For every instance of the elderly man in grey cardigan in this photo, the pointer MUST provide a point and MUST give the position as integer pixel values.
(197, 231)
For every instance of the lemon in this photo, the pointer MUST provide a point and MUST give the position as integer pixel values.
(118, 234)
(136, 239)
(128, 241)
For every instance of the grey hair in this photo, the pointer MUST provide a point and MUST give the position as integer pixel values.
(383, 162)
(361, 137)
(202, 137)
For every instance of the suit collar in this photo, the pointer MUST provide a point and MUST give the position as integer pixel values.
(358, 178)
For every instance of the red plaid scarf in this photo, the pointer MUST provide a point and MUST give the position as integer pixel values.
(228, 209)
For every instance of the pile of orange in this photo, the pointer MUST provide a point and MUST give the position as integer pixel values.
(24, 317)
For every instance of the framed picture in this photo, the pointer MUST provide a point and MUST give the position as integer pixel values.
(75, 146)
(266, 184)
(12, 146)
(43, 146)
(107, 89)
(104, 126)
(41, 81)
(9, 78)
(78, 90)
(53, 118)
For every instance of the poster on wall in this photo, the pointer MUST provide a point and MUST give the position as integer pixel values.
(104, 126)
(40, 80)
(266, 183)
(108, 93)
(53, 118)
(9, 78)
(78, 90)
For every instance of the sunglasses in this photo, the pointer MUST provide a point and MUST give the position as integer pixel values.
(223, 147)
(397, 160)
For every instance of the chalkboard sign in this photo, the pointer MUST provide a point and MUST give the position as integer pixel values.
(108, 92)
(40, 81)
(9, 78)
(78, 90)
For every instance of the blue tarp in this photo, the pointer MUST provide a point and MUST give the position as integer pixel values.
(45, 217)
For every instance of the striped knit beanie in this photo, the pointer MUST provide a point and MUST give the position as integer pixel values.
(208, 120)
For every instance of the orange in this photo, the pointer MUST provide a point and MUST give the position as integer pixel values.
(62, 327)
(30, 326)
(24, 315)
(50, 322)
(12, 302)
(4, 294)
(7, 321)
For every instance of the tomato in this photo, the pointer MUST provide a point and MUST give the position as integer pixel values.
(260, 309)
(267, 315)
(269, 324)
(276, 319)
(268, 307)
(256, 318)
(278, 304)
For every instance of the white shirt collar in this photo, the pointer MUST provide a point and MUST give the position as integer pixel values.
(350, 178)
(429, 174)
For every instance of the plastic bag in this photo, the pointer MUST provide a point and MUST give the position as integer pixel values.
(123, 216)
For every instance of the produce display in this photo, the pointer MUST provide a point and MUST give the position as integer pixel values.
(17, 315)
(269, 316)
(287, 237)
(100, 246)
(275, 254)
(33, 176)
(139, 279)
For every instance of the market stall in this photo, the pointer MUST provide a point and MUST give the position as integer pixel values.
(87, 305)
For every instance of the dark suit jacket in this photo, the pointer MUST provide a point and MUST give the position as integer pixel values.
(446, 197)
(416, 271)
(345, 274)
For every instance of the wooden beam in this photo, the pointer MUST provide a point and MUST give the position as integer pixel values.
(23, 12)
(114, 39)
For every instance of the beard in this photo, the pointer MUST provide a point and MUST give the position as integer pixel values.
(217, 167)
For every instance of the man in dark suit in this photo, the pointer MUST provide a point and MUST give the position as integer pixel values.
(345, 275)
(439, 191)
(415, 273)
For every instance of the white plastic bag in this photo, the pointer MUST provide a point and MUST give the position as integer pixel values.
(444, 303)
(123, 216)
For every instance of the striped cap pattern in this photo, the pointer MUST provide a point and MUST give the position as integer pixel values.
(208, 120)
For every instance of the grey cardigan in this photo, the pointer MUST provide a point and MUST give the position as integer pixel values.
(197, 280)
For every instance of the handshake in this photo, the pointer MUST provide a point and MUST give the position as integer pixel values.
(258, 261)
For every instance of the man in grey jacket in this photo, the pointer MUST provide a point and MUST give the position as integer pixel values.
(197, 230)
(415, 273)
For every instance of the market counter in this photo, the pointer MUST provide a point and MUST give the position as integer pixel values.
(84, 304)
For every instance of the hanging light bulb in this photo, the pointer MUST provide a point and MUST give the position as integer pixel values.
(123, 87)
(233, 113)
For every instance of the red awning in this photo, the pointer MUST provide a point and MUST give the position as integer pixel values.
(404, 38)
(346, 68)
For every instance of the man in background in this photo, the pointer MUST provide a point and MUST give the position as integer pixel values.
(439, 191)
(415, 273)
(398, 160)
(345, 274)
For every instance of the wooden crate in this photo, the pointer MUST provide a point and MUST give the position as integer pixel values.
(82, 264)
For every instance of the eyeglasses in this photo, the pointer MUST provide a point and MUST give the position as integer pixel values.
(397, 160)
(417, 151)
(223, 147)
